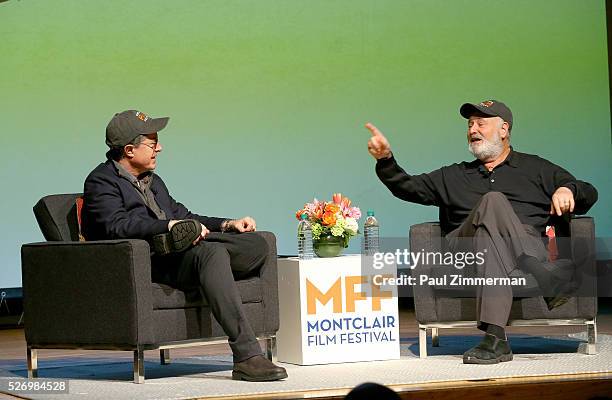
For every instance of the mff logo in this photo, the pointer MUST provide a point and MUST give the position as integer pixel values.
(334, 294)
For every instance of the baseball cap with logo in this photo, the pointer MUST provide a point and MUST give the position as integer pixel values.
(491, 108)
(127, 125)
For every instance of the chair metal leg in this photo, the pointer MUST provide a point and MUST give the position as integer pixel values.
(435, 339)
(164, 356)
(422, 342)
(591, 345)
(271, 348)
(592, 328)
(32, 357)
(138, 366)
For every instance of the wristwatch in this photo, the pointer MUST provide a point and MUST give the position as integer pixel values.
(225, 226)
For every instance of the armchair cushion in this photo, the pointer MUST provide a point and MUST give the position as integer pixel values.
(165, 296)
(57, 217)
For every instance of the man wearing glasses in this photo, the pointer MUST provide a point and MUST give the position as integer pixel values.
(123, 199)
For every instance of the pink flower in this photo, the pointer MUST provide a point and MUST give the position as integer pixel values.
(309, 208)
(353, 212)
(337, 198)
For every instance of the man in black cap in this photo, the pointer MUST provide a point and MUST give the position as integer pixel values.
(123, 198)
(500, 203)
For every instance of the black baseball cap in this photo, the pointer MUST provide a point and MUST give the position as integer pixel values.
(127, 125)
(491, 108)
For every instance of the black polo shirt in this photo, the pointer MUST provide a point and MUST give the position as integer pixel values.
(528, 182)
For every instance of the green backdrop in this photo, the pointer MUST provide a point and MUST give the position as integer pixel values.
(268, 99)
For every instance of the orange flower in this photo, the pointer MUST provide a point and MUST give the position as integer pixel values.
(332, 208)
(299, 213)
(337, 198)
(329, 219)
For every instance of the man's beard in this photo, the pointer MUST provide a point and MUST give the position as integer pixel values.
(485, 149)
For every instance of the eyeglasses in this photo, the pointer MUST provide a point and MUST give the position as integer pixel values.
(152, 146)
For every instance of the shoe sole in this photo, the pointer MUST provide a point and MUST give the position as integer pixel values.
(561, 298)
(502, 358)
(179, 239)
(556, 302)
(240, 376)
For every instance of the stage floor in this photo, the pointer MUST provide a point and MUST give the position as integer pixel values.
(542, 354)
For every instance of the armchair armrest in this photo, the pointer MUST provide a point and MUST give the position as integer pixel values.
(426, 236)
(582, 230)
(269, 276)
(87, 293)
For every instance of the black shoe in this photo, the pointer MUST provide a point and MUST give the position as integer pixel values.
(491, 350)
(562, 294)
(258, 369)
(181, 236)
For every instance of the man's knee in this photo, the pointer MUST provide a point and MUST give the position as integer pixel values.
(258, 247)
(494, 200)
(494, 196)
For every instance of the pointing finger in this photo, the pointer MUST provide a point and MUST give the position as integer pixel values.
(373, 130)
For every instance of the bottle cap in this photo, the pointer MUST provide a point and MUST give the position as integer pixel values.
(370, 213)
(304, 216)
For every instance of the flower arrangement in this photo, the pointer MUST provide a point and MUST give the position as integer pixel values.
(336, 218)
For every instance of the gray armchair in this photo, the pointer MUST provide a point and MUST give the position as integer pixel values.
(445, 307)
(99, 295)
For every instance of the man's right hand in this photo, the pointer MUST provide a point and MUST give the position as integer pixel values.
(378, 145)
(203, 234)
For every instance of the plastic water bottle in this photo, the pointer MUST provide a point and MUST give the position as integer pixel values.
(304, 236)
(370, 234)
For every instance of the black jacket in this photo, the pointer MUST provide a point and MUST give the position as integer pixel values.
(113, 209)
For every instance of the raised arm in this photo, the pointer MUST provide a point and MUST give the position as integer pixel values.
(421, 189)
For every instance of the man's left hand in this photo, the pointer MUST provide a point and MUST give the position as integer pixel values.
(246, 224)
(562, 201)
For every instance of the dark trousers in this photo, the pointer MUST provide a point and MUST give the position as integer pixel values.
(494, 228)
(211, 266)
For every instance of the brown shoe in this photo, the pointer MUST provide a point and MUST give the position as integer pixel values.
(258, 369)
